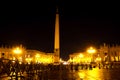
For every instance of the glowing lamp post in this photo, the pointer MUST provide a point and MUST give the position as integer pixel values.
(17, 51)
(91, 51)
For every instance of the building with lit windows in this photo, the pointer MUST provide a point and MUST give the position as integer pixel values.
(78, 58)
(12, 53)
(25, 55)
(109, 53)
(105, 53)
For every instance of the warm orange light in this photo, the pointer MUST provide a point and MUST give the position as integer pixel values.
(98, 59)
(81, 75)
(28, 60)
(81, 55)
(37, 58)
(17, 50)
(37, 55)
(91, 50)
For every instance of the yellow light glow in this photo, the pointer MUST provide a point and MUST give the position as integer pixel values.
(95, 73)
(65, 63)
(13, 58)
(17, 50)
(28, 60)
(98, 59)
(81, 75)
(37, 55)
(20, 62)
(42, 58)
(81, 55)
(91, 50)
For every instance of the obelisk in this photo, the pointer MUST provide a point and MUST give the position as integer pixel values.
(57, 39)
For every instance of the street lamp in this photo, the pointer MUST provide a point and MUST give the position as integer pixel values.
(17, 51)
(91, 51)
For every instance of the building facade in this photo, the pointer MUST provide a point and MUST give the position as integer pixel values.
(26, 55)
(105, 53)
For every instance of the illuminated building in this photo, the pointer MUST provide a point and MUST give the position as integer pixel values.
(26, 55)
(83, 57)
(77, 58)
(5, 52)
(12, 52)
(105, 53)
(109, 53)
(39, 57)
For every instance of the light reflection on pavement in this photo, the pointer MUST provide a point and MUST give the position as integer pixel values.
(94, 74)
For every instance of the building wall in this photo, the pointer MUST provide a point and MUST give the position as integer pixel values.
(104, 53)
(26, 55)
(110, 53)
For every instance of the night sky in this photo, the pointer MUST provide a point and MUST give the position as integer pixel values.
(81, 25)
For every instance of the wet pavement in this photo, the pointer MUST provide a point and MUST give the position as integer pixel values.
(94, 74)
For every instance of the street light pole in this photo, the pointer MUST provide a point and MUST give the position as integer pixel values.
(91, 51)
(17, 51)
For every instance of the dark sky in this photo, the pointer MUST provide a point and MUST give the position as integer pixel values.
(81, 25)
